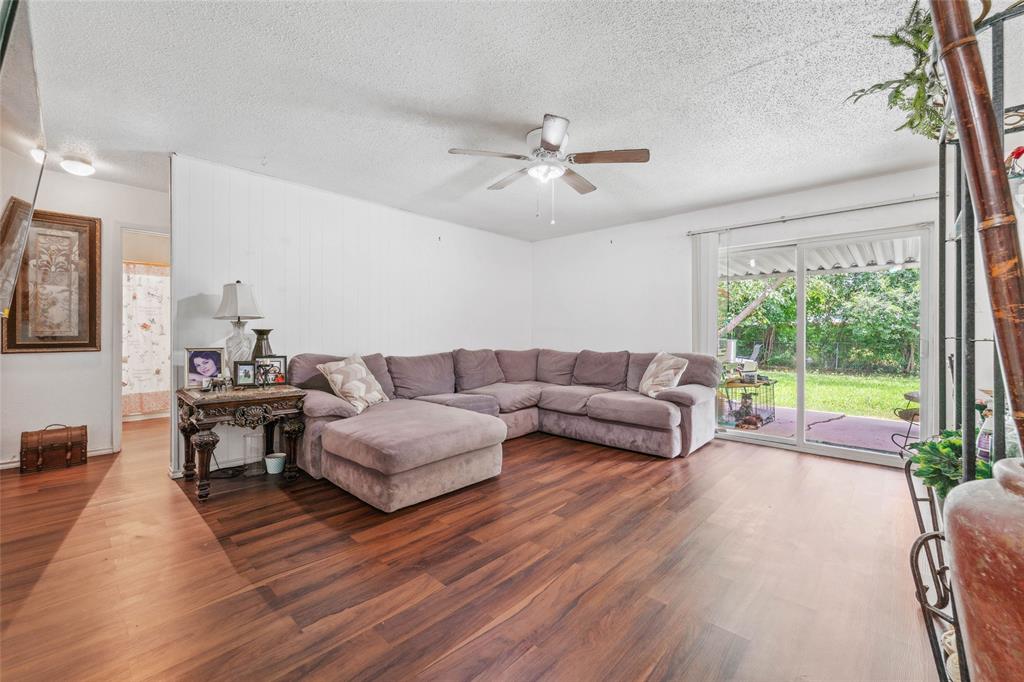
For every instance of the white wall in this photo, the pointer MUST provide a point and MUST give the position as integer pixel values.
(335, 274)
(631, 287)
(78, 388)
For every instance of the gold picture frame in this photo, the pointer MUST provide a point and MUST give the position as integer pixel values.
(57, 306)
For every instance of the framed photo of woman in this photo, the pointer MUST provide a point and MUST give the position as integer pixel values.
(202, 364)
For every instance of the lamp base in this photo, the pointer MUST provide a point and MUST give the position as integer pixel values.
(239, 345)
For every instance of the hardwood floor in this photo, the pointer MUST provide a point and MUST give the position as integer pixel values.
(579, 562)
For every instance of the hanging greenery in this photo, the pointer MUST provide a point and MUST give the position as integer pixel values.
(920, 92)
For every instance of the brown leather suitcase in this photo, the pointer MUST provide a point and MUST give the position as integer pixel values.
(56, 446)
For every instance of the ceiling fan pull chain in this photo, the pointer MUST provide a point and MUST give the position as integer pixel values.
(537, 214)
(552, 202)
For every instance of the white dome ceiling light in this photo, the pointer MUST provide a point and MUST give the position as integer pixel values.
(38, 154)
(546, 171)
(77, 166)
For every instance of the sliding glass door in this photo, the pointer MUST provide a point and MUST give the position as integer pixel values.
(863, 343)
(821, 343)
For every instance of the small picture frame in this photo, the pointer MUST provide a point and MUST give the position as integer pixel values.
(271, 370)
(202, 366)
(245, 374)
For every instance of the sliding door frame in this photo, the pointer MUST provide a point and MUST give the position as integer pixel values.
(929, 346)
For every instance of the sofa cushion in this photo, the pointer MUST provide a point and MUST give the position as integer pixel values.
(379, 367)
(476, 368)
(518, 365)
(688, 395)
(302, 371)
(512, 397)
(629, 407)
(416, 375)
(484, 404)
(568, 399)
(352, 380)
(555, 367)
(638, 364)
(607, 370)
(664, 372)
(701, 369)
(319, 403)
(400, 435)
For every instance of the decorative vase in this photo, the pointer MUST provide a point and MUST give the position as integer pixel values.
(984, 523)
(262, 344)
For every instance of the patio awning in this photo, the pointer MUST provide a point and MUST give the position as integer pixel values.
(860, 256)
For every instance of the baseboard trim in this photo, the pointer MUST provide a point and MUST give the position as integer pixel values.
(144, 417)
(15, 462)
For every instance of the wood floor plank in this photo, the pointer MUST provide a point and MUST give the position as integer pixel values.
(578, 562)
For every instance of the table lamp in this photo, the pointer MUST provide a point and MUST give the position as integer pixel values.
(238, 304)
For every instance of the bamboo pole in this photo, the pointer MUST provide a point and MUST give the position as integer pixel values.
(978, 132)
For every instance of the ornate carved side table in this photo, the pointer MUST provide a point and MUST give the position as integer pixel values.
(199, 412)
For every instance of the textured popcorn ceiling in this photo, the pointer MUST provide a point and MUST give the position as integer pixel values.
(734, 99)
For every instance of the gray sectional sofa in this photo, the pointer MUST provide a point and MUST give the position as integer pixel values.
(448, 414)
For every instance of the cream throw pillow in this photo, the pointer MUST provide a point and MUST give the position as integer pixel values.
(664, 372)
(352, 380)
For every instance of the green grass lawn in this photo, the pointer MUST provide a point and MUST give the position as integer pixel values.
(852, 394)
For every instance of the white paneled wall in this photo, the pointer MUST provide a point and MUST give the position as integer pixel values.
(335, 274)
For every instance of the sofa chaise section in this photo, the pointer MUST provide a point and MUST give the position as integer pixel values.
(401, 452)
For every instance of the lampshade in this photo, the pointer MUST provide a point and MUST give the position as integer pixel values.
(238, 302)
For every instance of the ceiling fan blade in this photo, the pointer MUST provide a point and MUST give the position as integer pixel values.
(578, 182)
(509, 179)
(480, 152)
(553, 133)
(612, 156)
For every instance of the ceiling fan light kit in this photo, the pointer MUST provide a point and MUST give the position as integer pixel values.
(550, 160)
(545, 171)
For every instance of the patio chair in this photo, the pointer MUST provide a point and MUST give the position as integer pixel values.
(911, 414)
(755, 354)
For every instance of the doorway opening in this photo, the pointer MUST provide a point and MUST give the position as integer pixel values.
(822, 343)
(145, 325)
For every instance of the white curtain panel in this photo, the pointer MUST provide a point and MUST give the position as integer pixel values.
(705, 292)
(145, 339)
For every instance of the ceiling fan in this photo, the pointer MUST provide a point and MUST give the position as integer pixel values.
(549, 160)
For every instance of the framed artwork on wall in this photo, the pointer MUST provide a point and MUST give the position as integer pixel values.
(56, 305)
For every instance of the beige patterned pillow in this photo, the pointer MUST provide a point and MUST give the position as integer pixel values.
(352, 380)
(664, 372)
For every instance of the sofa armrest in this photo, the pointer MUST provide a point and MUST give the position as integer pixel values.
(687, 395)
(324, 404)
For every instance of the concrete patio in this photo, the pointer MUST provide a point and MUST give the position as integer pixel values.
(833, 428)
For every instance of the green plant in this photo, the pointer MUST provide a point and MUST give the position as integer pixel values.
(940, 463)
(920, 92)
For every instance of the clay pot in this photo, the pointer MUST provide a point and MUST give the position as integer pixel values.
(985, 532)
